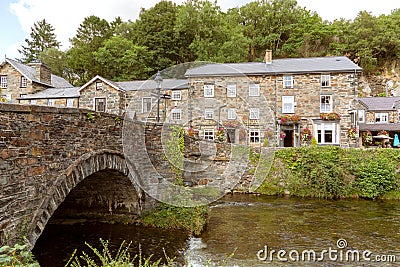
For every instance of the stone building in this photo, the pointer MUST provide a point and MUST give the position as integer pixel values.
(287, 97)
(18, 80)
(274, 102)
(379, 115)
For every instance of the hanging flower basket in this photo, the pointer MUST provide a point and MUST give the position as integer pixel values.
(333, 116)
(305, 135)
(352, 133)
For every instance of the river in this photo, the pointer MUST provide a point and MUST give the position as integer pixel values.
(249, 230)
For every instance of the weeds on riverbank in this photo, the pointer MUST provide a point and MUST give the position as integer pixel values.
(334, 172)
(18, 255)
(105, 258)
(191, 219)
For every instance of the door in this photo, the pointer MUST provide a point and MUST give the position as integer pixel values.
(100, 104)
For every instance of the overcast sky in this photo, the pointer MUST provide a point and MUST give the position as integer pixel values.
(65, 16)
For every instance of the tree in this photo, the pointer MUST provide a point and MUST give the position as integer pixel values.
(155, 30)
(123, 60)
(55, 60)
(42, 37)
(90, 36)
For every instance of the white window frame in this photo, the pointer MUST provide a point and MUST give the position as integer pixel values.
(209, 114)
(254, 114)
(324, 127)
(176, 114)
(287, 81)
(145, 110)
(3, 81)
(231, 90)
(254, 136)
(51, 102)
(176, 95)
(323, 106)
(288, 104)
(209, 90)
(208, 134)
(105, 104)
(99, 85)
(254, 89)
(70, 103)
(24, 82)
(325, 80)
(382, 116)
(33, 101)
(232, 114)
(361, 115)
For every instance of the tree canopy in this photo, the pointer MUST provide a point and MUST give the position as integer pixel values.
(198, 30)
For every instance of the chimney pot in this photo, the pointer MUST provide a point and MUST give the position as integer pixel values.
(268, 56)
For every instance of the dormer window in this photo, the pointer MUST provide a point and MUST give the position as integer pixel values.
(23, 82)
(99, 85)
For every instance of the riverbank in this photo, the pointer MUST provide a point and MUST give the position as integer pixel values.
(334, 172)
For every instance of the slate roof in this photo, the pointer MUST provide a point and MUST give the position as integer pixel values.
(151, 84)
(379, 127)
(379, 103)
(278, 66)
(29, 73)
(70, 92)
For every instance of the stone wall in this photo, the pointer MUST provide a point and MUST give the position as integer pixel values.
(44, 153)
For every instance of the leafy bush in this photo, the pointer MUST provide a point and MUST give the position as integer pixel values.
(19, 255)
(334, 172)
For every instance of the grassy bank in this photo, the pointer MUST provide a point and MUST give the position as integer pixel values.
(334, 172)
(192, 220)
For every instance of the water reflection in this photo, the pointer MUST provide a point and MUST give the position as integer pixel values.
(244, 224)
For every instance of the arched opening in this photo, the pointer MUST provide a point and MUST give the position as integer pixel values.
(107, 195)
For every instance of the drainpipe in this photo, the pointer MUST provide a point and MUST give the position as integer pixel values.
(275, 112)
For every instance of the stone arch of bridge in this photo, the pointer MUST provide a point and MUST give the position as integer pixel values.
(85, 166)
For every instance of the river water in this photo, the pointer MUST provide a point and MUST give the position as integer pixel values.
(248, 230)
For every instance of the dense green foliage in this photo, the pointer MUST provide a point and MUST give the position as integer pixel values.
(166, 216)
(18, 255)
(168, 34)
(334, 172)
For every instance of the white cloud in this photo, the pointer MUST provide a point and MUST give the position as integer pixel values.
(12, 50)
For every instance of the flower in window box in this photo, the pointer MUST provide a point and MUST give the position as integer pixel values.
(330, 116)
(290, 119)
(352, 133)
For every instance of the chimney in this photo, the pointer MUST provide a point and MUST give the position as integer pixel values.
(268, 56)
(42, 72)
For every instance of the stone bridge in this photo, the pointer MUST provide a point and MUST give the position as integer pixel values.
(45, 152)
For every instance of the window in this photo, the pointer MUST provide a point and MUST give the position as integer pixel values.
(231, 90)
(326, 133)
(254, 113)
(254, 89)
(326, 103)
(381, 117)
(33, 102)
(176, 114)
(100, 104)
(325, 80)
(231, 114)
(287, 81)
(23, 81)
(209, 114)
(99, 85)
(287, 104)
(254, 136)
(50, 102)
(361, 115)
(209, 134)
(70, 103)
(176, 95)
(209, 90)
(3, 81)
(146, 104)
